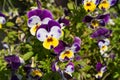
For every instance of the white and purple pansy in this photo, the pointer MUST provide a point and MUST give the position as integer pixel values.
(100, 69)
(67, 73)
(106, 4)
(49, 34)
(103, 45)
(55, 66)
(66, 52)
(2, 19)
(90, 5)
(96, 22)
(101, 34)
(37, 17)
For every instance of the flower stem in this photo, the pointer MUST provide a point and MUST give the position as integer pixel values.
(38, 4)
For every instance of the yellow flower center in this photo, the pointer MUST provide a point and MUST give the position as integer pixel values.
(50, 42)
(104, 5)
(36, 73)
(104, 48)
(90, 6)
(95, 23)
(69, 54)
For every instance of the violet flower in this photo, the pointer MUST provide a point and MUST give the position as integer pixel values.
(106, 4)
(66, 52)
(13, 61)
(49, 34)
(37, 17)
(63, 21)
(101, 33)
(96, 22)
(100, 69)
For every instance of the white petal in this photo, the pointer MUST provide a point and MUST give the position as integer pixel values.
(45, 21)
(100, 44)
(33, 21)
(41, 34)
(107, 41)
(2, 20)
(55, 32)
(69, 69)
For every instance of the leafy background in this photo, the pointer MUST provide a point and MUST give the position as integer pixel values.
(16, 34)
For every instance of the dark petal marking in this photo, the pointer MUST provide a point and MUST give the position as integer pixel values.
(87, 19)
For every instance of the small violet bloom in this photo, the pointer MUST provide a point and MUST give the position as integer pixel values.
(67, 73)
(96, 22)
(55, 67)
(66, 52)
(49, 34)
(100, 69)
(2, 19)
(13, 61)
(101, 34)
(37, 17)
(63, 21)
(90, 5)
(103, 45)
(106, 4)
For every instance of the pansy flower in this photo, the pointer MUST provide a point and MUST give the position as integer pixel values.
(37, 17)
(13, 61)
(67, 72)
(96, 22)
(63, 21)
(66, 52)
(100, 69)
(90, 5)
(2, 19)
(106, 4)
(49, 34)
(55, 66)
(101, 34)
(103, 45)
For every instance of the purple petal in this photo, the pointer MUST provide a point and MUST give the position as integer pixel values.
(13, 61)
(101, 32)
(87, 19)
(60, 47)
(70, 67)
(105, 17)
(97, 2)
(102, 23)
(77, 40)
(41, 13)
(77, 57)
(112, 2)
(2, 15)
(98, 66)
(65, 21)
(55, 66)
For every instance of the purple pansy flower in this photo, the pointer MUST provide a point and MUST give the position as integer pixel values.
(66, 52)
(49, 34)
(55, 67)
(13, 61)
(63, 21)
(101, 33)
(37, 17)
(96, 22)
(100, 69)
(106, 4)
(103, 45)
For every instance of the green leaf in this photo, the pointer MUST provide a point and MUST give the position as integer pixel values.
(10, 24)
(28, 55)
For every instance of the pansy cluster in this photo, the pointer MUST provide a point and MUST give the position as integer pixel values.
(97, 19)
(49, 31)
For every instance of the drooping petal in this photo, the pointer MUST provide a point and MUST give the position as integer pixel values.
(65, 21)
(98, 66)
(41, 33)
(55, 67)
(50, 42)
(87, 19)
(60, 47)
(36, 72)
(33, 21)
(76, 45)
(104, 17)
(55, 32)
